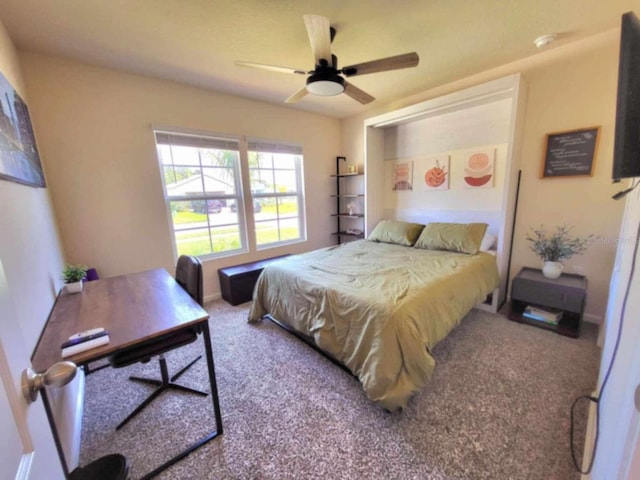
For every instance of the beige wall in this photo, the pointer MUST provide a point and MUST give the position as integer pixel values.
(29, 248)
(579, 91)
(570, 87)
(95, 130)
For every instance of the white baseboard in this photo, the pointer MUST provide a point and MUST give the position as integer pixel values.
(490, 307)
(486, 308)
(597, 320)
(212, 297)
(591, 318)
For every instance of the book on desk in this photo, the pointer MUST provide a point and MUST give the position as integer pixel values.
(79, 343)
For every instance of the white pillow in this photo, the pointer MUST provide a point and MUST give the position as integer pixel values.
(488, 242)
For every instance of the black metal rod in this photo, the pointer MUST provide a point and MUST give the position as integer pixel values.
(162, 385)
(181, 455)
(141, 407)
(309, 342)
(155, 393)
(338, 195)
(513, 234)
(89, 371)
(147, 381)
(206, 338)
(187, 367)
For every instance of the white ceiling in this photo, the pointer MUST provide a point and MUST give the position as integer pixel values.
(197, 41)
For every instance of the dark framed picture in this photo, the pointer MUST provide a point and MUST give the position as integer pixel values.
(19, 159)
(570, 153)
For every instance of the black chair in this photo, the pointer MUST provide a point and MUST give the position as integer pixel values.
(189, 276)
(110, 467)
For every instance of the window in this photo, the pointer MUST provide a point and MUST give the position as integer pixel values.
(275, 173)
(203, 189)
(201, 178)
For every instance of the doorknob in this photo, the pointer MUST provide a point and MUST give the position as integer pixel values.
(57, 375)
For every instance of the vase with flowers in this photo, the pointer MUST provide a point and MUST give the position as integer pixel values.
(554, 248)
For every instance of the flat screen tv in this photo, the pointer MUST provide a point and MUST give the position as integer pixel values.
(626, 152)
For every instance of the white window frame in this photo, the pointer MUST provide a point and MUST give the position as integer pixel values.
(244, 197)
(238, 176)
(281, 147)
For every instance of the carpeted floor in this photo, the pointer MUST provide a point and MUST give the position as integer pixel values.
(496, 408)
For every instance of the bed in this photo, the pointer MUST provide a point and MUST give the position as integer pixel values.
(377, 308)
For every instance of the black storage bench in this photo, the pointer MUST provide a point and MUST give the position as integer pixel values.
(237, 282)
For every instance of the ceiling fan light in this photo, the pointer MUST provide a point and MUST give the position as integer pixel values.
(325, 84)
(325, 88)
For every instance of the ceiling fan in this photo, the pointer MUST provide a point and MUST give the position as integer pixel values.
(326, 79)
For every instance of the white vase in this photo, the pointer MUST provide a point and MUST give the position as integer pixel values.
(552, 269)
(75, 287)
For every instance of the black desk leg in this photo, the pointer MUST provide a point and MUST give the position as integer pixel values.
(206, 338)
(216, 409)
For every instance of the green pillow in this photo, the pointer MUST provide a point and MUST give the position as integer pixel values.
(400, 233)
(455, 237)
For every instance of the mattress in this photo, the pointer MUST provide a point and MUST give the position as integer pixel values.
(377, 308)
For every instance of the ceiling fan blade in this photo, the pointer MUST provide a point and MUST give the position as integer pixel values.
(271, 68)
(357, 94)
(297, 96)
(319, 32)
(405, 60)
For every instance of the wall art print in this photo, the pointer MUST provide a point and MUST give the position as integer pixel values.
(19, 159)
(402, 175)
(432, 173)
(479, 168)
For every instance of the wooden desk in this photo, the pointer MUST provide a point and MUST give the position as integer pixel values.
(132, 308)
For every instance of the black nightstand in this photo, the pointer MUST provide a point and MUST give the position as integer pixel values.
(567, 293)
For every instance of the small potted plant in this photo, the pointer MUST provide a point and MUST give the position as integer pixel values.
(73, 276)
(555, 248)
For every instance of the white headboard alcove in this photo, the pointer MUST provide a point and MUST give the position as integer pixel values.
(490, 115)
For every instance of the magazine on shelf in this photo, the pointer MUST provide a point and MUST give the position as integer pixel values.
(550, 315)
(539, 319)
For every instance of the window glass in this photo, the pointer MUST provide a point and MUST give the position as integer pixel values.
(289, 229)
(201, 179)
(194, 242)
(220, 180)
(203, 191)
(262, 181)
(276, 182)
(288, 207)
(285, 181)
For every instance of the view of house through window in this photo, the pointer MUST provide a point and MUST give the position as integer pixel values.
(203, 190)
(201, 179)
(276, 189)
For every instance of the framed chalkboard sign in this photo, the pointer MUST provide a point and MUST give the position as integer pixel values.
(570, 153)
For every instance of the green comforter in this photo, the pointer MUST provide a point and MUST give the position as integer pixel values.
(377, 308)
